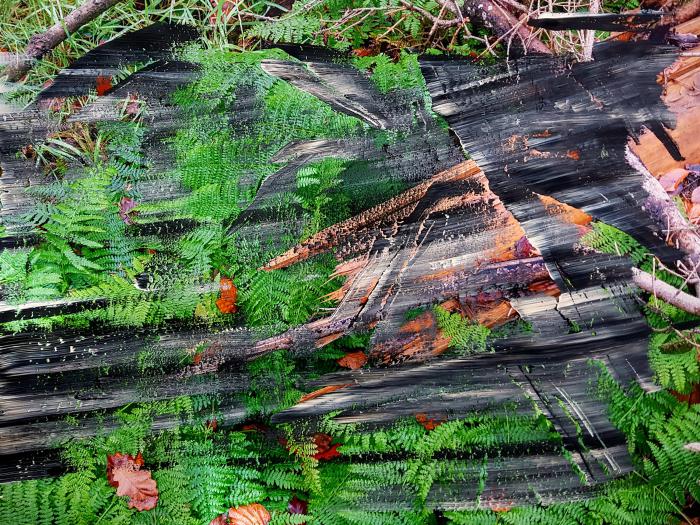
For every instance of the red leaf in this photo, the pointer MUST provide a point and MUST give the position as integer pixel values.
(331, 453)
(297, 506)
(325, 450)
(255, 427)
(124, 472)
(353, 360)
(103, 84)
(226, 303)
(253, 514)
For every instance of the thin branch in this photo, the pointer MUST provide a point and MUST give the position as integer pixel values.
(515, 5)
(42, 43)
(666, 292)
(430, 16)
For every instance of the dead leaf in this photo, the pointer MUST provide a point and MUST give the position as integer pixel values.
(324, 450)
(253, 514)
(126, 205)
(226, 9)
(226, 303)
(124, 472)
(692, 447)
(353, 360)
(103, 84)
(297, 506)
(672, 179)
(429, 423)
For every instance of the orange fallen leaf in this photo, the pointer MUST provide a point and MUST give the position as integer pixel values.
(362, 52)
(322, 391)
(324, 449)
(226, 303)
(353, 360)
(253, 514)
(124, 472)
(429, 423)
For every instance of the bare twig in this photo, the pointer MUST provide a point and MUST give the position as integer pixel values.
(515, 5)
(437, 21)
(42, 43)
(490, 14)
(435, 24)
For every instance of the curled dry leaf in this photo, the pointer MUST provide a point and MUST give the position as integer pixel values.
(322, 391)
(226, 303)
(253, 514)
(124, 472)
(353, 360)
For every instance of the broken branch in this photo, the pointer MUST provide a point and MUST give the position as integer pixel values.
(666, 292)
(42, 43)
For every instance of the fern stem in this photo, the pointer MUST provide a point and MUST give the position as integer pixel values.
(114, 502)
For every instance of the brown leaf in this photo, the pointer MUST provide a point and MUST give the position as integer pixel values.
(226, 9)
(353, 360)
(124, 472)
(126, 205)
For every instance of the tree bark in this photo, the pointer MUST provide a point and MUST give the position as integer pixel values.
(42, 43)
(686, 11)
(679, 231)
